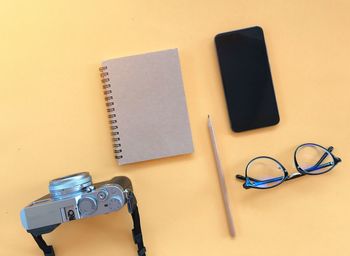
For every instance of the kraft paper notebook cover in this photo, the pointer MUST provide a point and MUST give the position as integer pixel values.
(146, 106)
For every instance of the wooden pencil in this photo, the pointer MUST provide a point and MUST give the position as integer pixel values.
(221, 178)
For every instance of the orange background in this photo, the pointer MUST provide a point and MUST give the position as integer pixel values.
(53, 123)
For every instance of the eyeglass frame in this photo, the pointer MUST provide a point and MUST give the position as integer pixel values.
(247, 184)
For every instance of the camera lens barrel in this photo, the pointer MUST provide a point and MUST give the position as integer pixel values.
(70, 185)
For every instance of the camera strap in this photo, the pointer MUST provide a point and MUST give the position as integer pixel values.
(136, 231)
(47, 249)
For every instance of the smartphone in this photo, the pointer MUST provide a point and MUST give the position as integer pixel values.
(246, 77)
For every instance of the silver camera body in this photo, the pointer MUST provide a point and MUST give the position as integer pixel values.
(75, 197)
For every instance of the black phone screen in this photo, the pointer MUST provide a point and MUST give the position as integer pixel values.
(246, 78)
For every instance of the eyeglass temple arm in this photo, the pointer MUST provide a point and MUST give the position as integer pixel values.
(259, 182)
(241, 177)
(262, 182)
(330, 149)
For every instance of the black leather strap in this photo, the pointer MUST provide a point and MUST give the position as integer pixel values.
(47, 249)
(136, 231)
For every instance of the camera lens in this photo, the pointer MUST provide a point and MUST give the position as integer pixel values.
(69, 186)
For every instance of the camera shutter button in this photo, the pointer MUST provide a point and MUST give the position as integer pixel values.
(87, 205)
(115, 203)
(102, 195)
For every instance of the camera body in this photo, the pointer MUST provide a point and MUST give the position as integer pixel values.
(74, 197)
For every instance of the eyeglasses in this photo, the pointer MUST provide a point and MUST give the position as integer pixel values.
(265, 172)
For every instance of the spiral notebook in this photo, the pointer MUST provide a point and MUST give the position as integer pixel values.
(146, 106)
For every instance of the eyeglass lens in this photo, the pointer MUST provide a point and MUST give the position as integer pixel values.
(264, 172)
(313, 159)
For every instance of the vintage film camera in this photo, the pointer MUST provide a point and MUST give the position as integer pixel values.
(75, 197)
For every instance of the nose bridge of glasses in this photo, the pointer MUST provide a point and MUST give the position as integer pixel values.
(294, 175)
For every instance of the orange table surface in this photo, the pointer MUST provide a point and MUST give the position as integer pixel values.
(54, 122)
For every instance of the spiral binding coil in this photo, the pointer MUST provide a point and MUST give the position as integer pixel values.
(111, 112)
